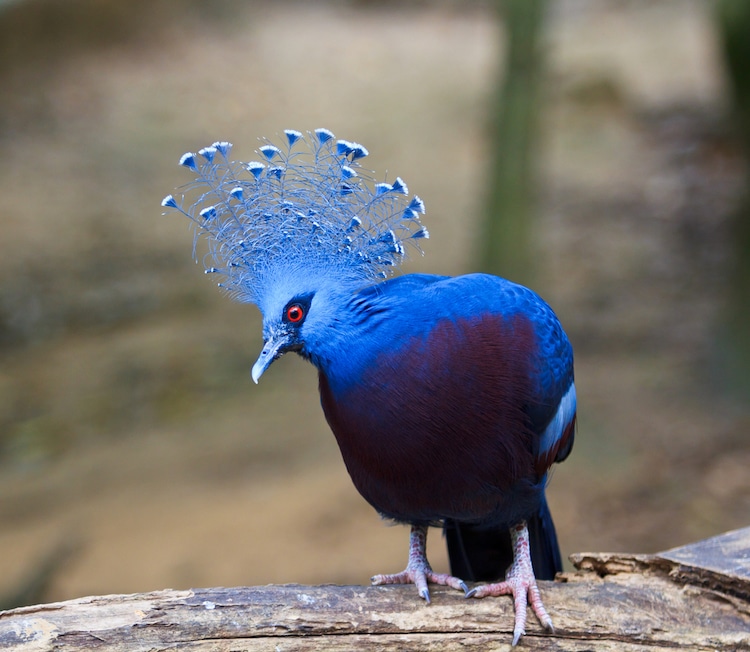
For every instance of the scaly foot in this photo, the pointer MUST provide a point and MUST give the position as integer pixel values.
(418, 571)
(520, 583)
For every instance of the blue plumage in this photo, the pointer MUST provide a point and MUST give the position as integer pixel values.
(449, 397)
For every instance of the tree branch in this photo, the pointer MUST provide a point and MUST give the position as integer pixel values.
(615, 602)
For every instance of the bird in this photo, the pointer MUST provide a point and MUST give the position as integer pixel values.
(450, 397)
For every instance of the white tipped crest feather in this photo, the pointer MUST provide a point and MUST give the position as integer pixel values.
(314, 211)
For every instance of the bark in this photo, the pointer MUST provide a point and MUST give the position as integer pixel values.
(696, 597)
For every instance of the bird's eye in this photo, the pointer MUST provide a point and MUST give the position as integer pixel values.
(295, 313)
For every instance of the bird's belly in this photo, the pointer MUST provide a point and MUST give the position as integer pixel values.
(426, 480)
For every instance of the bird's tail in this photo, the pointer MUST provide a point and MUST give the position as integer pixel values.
(484, 554)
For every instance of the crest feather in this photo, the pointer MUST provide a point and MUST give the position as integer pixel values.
(307, 205)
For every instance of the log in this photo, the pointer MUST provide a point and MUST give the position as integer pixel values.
(696, 597)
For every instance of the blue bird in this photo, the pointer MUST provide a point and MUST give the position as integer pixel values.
(450, 397)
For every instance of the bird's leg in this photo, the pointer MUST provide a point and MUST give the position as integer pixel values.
(520, 582)
(418, 571)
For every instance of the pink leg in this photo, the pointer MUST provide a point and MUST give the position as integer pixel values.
(520, 582)
(418, 570)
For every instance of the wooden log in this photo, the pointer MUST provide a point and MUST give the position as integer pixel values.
(614, 602)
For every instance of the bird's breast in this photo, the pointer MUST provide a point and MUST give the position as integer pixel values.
(437, 426)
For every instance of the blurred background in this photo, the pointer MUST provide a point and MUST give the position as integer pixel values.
(135, 451)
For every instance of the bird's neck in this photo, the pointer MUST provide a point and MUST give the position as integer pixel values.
(357, 331)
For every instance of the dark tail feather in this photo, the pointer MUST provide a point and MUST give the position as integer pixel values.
(545, 551)
(479, 554)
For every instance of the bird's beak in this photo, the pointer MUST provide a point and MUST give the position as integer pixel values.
(274, 347)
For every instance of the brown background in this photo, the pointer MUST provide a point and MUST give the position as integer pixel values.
(129, 423)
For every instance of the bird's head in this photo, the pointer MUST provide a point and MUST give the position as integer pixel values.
(297, 231)
(283, 333)
(298, 310)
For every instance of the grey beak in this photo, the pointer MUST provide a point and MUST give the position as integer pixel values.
(272, 349)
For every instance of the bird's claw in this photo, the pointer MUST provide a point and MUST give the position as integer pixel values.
(520, 582)
(418, 571)
(524, 591)
(420, 577)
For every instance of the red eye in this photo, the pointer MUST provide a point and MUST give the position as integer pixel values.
(295, 313)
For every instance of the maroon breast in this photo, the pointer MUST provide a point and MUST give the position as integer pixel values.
(439, 428)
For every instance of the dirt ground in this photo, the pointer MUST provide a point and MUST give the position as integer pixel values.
(130, 428)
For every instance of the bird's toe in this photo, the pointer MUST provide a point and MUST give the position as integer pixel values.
(447, 580)
(409, 576)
